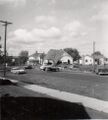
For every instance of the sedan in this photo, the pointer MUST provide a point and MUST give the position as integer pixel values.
(102, 71)
(18, 70)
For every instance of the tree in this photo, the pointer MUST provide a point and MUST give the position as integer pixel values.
(97, 53)
(42, 56)
(97, 56)
(23, 57)
(74, 53)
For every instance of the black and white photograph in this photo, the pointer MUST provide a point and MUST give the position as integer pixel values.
(53, 59)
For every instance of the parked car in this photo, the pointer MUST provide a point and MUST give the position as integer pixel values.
(49, 68)
(102, 71)
(18, 70)
(28, 67)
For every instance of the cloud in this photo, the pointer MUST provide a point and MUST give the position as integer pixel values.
(36, 38)
(45, 19)
(73, 29)
(73, 26)
(13, 2)
(35, 35)
(100, 16)
(102, 13)
(52, 32)
(53, 1)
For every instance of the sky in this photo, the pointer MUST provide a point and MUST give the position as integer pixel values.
(41, 25)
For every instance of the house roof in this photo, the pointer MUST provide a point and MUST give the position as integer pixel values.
(55, 55)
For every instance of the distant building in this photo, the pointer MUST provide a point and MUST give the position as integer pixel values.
(35, 58)
(106, 61)
(59, 56)
(86, 60)
(98, 60)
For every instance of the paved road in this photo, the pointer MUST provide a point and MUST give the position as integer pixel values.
(87, 84)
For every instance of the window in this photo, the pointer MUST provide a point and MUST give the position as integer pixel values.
(86, 60)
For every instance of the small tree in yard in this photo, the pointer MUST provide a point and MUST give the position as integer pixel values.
(97, 56)
(23, 57)
(42, 56)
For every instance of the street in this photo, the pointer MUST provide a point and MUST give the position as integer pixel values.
(87, 84)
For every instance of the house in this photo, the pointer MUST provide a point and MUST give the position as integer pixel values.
(86, 60)
(106, 61)
(36, 58)
(58, 56)
(99, 59)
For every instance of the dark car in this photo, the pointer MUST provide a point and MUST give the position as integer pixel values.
(102, 71)
(28, 67)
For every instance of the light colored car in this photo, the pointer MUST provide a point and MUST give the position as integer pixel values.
(49, 68)
(18, 70)
(44, 67)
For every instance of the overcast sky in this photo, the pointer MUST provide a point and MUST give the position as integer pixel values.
(45, 24)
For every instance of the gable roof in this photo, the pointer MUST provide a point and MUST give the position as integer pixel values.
(55, 55)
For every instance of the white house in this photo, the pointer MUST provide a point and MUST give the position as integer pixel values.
(59, 55)
(106, 61)
(86, 60)
(66, 58)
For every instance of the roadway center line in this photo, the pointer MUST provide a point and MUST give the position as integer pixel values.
(89, 102)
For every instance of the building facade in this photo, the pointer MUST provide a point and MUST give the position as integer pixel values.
(86, 60)
(59, 56)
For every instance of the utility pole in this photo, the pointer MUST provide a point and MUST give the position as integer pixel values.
(5, 24)
(93, 56)
(0, 42)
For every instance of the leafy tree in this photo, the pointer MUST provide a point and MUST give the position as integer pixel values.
(97, 53)
(97, 56)
(73, 53)
(42, 56)
(23, 57)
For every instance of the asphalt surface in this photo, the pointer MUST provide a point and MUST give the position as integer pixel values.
(87, 84)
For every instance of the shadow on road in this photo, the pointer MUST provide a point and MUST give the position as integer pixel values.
(33, 108)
